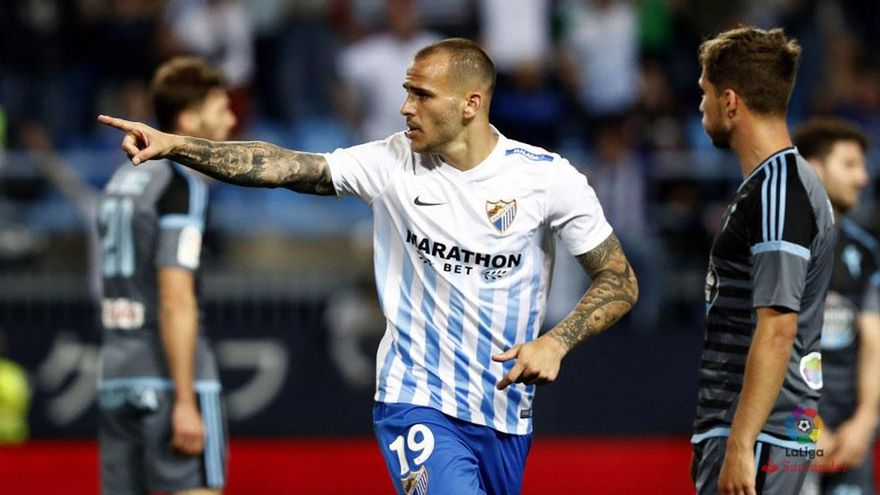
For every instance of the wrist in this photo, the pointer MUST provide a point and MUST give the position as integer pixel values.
(739, 443)
(177, 143)
(187, 398)
(558, 344)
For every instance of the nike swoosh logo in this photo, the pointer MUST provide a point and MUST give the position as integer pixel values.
(419, 202)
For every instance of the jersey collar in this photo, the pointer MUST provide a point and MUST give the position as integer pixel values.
(757, 170)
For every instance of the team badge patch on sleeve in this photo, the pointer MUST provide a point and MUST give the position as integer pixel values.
(189, 247)
(501, 213)
(416, 482)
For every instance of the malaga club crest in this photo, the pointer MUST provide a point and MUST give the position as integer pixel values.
(501, 213)
(416, 482)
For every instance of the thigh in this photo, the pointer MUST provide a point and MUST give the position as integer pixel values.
(779, 471)
(706, 464)
(171, 471)
(425, 452)
(120, 442)
(503, 461)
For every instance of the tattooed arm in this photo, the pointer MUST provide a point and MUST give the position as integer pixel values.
(611, 295)
(254, 164)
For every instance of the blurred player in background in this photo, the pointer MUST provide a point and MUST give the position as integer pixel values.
(465, 222)
(851, 333)
(161, 426)
(768, 272)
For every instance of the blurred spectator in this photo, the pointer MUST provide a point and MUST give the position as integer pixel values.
(296, 49)
(38, 54)
(618, 177)
(15, 399)
(122, 40)
(452, 17)
(529, 106)
(657, 116)
(372, 71)
(219, 31)
(515, 33)
(81, 195)
(616, 173)
(600, 53)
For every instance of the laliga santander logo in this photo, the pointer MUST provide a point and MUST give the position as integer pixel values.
(804, 425)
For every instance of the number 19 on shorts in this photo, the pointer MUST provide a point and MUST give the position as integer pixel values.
(419, 440)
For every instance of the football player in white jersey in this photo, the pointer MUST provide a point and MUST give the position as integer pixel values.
(465, 224)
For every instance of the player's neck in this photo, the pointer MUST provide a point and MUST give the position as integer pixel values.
(471, 148)
(757, 140)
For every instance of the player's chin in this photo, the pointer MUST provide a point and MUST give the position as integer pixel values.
(419, 145)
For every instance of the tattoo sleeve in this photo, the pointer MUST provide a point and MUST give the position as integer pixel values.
(257, 164)
(611, 295)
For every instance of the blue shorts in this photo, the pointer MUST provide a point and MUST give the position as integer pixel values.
(428, 452)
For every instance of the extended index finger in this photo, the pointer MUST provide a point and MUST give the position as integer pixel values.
(511, 377)
(116, 122)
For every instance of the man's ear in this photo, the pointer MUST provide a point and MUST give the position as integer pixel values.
(473, 105)
(731, 102)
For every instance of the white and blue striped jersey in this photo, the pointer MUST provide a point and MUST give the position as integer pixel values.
(463, 263)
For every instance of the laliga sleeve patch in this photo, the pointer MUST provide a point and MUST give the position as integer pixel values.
(189, 247)
(811, 370)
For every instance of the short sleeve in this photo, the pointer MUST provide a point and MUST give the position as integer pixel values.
(781, 230)
(366, 170)
(573, 210)
(181, 211)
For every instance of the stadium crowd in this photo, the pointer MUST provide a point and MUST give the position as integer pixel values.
(610, 84)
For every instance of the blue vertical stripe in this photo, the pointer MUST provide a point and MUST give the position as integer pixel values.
(386, 368)
(532, 325)
(381, 254)
(216, 451)
(432, 337)
(404, 327)
(455, 325)
(764, 184)
(198, 193)
(774, 177)
(213, 438)
(782, 192)
(511, 326)
(205, 406)
(484, 348)
(221, 440)
(212, 448)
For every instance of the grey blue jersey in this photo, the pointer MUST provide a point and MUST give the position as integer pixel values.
(854, 288)
(149, 217)
(774, 249)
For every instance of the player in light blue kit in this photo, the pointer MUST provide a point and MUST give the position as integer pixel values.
(465, 225)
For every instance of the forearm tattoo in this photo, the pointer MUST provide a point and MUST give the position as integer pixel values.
(611, 295)
(257, 164)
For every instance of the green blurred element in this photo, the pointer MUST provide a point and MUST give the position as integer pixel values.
(655, 23)
(15, 400)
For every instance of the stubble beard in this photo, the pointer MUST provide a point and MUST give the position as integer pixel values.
(720, 137)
